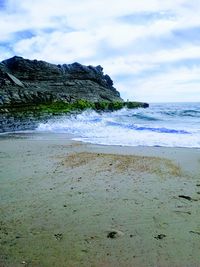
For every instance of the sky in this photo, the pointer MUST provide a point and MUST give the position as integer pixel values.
(150, 48)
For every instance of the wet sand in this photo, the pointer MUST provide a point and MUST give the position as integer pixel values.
(65, 203)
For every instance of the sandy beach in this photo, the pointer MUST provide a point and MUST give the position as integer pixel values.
(65, 203)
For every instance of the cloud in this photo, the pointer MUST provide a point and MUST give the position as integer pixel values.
(174, 85)
(58, 46)
(135, 41)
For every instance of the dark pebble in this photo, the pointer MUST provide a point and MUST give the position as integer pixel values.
(112, 235)
(185, 197)
(160, 236)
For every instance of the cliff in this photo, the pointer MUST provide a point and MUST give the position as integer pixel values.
(24, 82)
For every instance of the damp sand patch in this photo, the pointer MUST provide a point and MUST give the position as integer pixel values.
(123, 163)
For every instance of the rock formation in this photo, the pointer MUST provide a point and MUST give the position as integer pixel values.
(24, 82)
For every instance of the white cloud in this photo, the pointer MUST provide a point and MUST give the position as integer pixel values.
(175, 85)
(58, 47)
(93, 32)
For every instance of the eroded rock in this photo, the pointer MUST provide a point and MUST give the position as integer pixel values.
(24, 81)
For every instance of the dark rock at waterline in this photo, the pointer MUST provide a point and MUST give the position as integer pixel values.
(24, 81)
(11, 122)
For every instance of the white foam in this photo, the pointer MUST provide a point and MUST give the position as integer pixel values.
(112, 129)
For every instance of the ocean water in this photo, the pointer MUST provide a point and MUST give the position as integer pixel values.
(166, 124)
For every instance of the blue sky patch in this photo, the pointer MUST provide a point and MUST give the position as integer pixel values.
(26, 34)
(187, 34)
(2, 4)
(145, 17)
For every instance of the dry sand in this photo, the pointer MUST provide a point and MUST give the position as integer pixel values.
(65, 203)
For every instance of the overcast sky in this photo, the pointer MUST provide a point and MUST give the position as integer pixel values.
(150, 48)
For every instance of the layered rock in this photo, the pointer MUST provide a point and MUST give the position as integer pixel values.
(24, 82)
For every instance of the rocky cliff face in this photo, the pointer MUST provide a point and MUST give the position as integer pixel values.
(24, 81)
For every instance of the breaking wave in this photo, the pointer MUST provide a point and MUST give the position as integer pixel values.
(171, 125)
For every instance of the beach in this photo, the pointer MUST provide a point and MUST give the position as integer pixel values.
(67, 203)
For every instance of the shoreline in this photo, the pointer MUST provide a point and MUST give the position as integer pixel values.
(161, 151)
(68, 203)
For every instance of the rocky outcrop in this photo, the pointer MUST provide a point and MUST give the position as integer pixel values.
(24, 82)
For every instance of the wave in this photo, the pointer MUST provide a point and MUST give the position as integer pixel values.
(182, 113)
(128, 127)
(191, 113)
(142, 116)
(143, 128)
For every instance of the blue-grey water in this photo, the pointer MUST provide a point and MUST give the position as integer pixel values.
(166, 124)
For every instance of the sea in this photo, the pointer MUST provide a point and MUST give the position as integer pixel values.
(162, 125)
